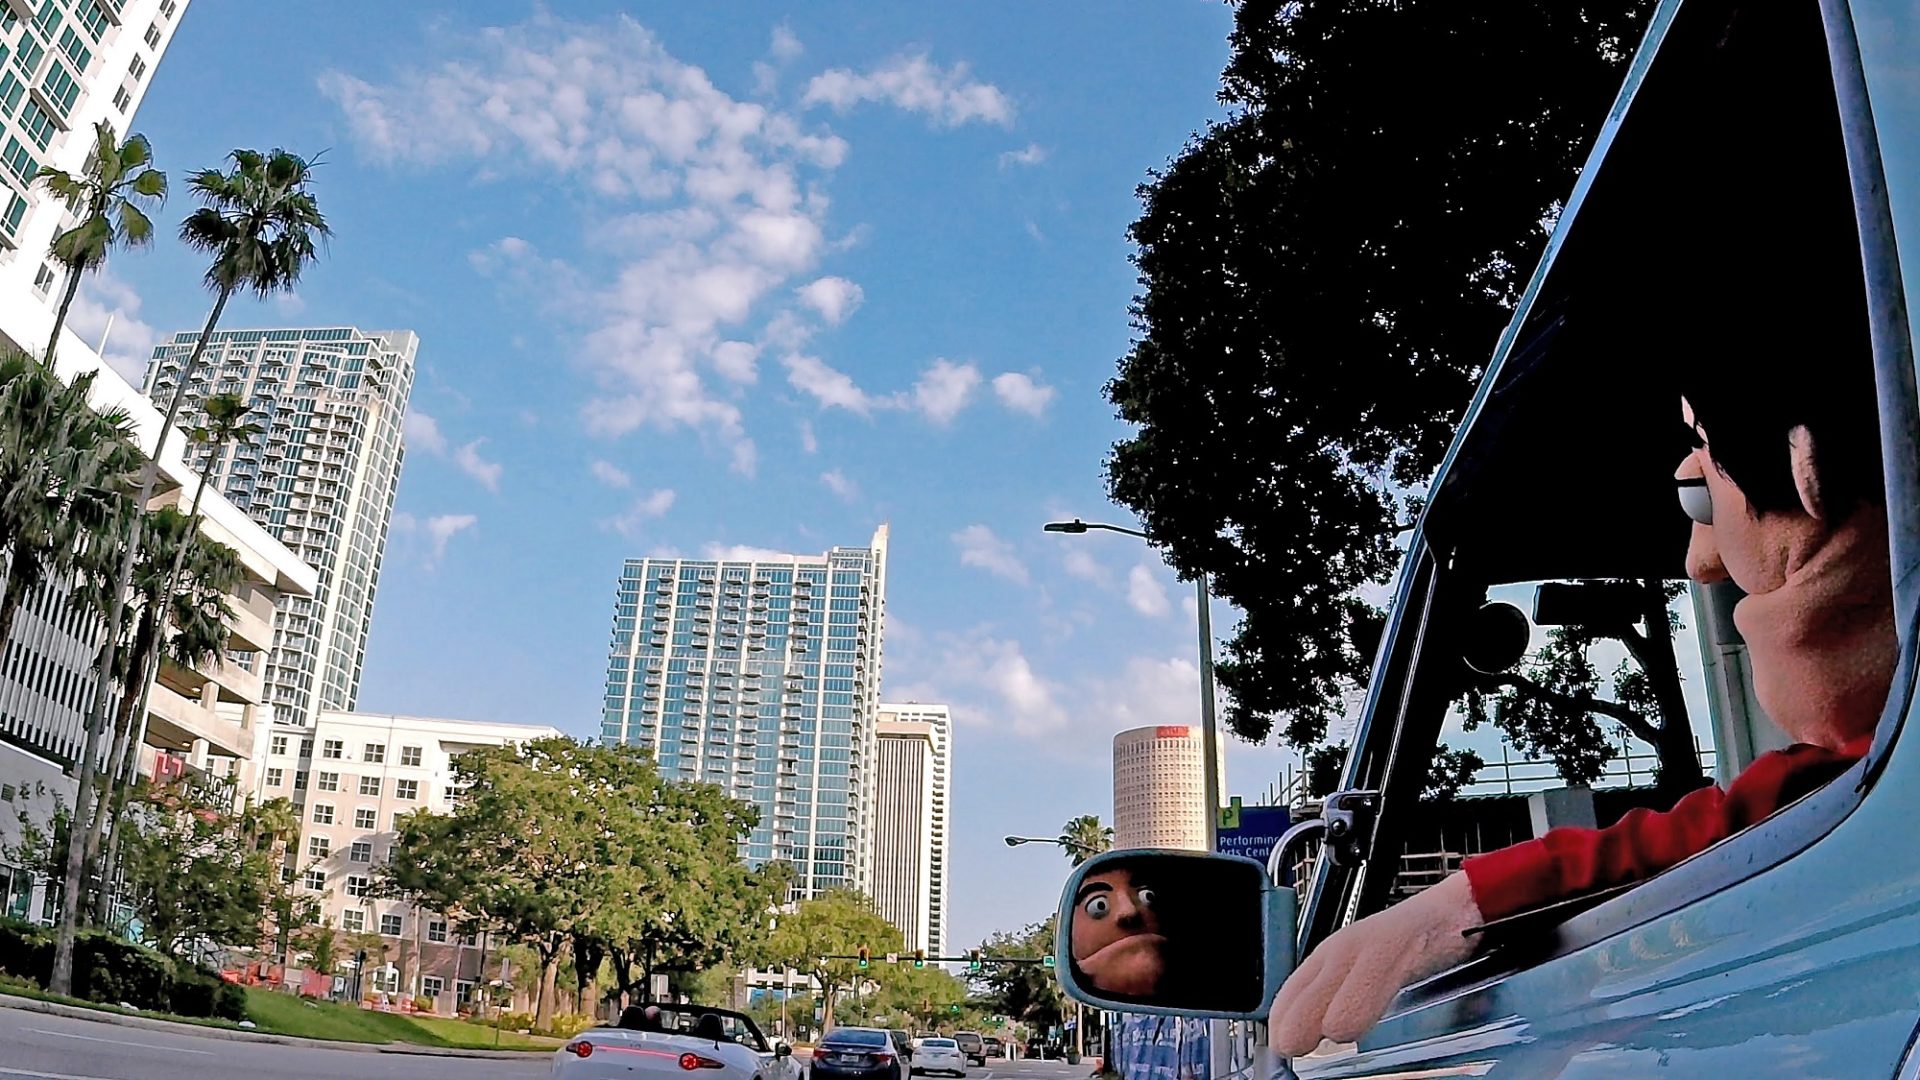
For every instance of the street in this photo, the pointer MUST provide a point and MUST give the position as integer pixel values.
(35, 1046)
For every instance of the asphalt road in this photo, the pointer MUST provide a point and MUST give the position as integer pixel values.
(35, 1046)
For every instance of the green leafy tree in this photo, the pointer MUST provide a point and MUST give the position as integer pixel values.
(189, 869)
(1026, 993)
(64, 473)
(1322, 277)
(817, 936)
(926, 994)
(321, 943)
(108, 200)
(1083, 837)
(262, 227)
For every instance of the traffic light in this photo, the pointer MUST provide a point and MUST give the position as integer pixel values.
(973, 960)
(954, 1009)
(919, 958)
(865, 957)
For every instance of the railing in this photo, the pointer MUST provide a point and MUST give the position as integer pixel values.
(1633, 764)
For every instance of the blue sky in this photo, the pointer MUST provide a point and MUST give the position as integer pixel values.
(690, 277)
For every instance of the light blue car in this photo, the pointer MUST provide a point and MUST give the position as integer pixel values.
(1788, 950)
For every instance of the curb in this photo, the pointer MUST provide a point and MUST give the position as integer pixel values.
(103, 1016)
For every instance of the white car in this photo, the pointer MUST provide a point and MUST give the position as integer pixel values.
(669, 1042)
(939, 1056)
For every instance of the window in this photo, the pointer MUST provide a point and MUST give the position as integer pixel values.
(334, 749)
(370, 785)
(390, 925)
(28, 54)
(408, 790)
(316, 880)
(121, 99)
(323, 813)
(306, 747)
(11, 91)
(137, 68)
(360, 851)
(437, 931)
(409, 755)
(300, 780)
(61, 86)
(319, 847)
(43, 279)
(167, 8)
(364, 818)
(359, 885)
(152, 36)
(75, 48)
(92, 17)
(375, 753)
(431, 986)
(49, 18)
(353, 922)
(278, 748)
(328, 781)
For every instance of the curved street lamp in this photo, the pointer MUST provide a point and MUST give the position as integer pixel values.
(1061, 841)
(1210, 743)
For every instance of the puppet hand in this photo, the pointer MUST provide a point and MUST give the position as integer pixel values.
(1347, 983)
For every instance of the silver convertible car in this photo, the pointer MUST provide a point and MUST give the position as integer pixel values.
(675, 1042)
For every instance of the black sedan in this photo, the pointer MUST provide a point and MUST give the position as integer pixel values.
(851, 1053)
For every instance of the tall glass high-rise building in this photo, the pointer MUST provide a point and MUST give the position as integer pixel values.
(761, 675)
(321, 478)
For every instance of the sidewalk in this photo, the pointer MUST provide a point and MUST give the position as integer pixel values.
(206, 1031)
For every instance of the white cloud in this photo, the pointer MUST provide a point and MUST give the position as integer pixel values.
(130, 341)
(832, 388)
(610, 474)
(808, 440)
(470, 462)
(1031, 154)
(980, 547)
(944, 389)
(1085, 567)
(785, 46)
(745, 553)
(643, 509)
(700, 209)
(834, 298)
(1145, 593)
(1022, 393)
(423, 433)
(443, 528)
(736, 361)
(838, 483)
(993, 684)
(949, 96)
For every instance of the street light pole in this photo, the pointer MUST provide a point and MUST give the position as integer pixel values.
(1209, 725)
(1016, 841)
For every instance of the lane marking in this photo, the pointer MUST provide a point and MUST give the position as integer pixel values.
(120, 1042)
(9, 1074)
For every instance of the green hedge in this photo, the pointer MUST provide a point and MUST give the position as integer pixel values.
(111, 971)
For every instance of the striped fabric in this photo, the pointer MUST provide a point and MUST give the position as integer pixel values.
(1161, 1048)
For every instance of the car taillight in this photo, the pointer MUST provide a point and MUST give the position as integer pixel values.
(582, 1048)
(691, 1061)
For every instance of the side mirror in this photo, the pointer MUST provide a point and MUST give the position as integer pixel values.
(1176, 933)
(781, 1050)
(1496, 638)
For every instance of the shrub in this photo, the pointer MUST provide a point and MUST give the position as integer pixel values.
(109, 970)
(567, 1025)
(423, 1004)
(26, 951)
(514, 1021)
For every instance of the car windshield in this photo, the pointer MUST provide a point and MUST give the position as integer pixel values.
(856, 1037)
(716, 1024)
(941, 1044)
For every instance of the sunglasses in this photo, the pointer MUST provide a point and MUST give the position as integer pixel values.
(1695, 499)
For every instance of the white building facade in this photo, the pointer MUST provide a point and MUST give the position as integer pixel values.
(912, 770)
(762, 676)
(321, 478)
(1159, 788)
(351, 775)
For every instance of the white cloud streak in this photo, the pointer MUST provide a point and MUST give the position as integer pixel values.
(1030, 154)
(470, 462)
(648, 507)
(837, 482)
(1022, 393)
(979, 547)
(948, 97)
(1145, 593)
(610, 474)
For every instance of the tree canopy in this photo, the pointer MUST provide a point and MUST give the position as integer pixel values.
(1322, 278)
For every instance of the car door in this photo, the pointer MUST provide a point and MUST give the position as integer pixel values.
(1789, 950)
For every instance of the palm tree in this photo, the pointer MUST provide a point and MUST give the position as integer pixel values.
(107, 199)
(64, 472)
(262, 228)
(181, 616)
(1084, 837)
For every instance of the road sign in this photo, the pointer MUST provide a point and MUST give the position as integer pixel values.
(1252, 830)
(893, 958)
(1047, 960)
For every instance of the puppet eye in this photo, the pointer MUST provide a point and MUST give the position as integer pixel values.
(1696, 499)
(1145, 897)
(1096, 906)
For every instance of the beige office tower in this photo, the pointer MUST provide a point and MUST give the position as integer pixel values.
(1160, 788)
(914, 767)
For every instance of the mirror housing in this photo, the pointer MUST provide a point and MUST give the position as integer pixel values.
(1175, 933)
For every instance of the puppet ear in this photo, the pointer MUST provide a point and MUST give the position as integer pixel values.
(1806, 471)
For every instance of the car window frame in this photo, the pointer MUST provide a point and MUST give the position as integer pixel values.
(1337, 894)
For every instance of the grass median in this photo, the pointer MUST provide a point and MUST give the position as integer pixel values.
(284, 1014)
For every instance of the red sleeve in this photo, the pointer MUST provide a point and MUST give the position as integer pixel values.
(1569, 861)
